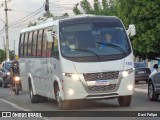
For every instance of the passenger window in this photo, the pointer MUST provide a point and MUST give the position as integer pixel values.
(21, 45)
(34, 45)
(30, 43)
(44, 44)
(55, 52)
(49, 48)
(39, 43)
(25, 45)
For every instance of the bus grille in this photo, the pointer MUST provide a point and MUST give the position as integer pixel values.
(101, 76)
(102, 88)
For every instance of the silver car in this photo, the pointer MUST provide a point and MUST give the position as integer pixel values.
(154, 84)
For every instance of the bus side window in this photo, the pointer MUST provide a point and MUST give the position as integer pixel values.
(30, 43)
(39, 43)
(21, 45)
(34, 46)
(52, 48)
(55, 52)
(44, 45)
(26, 45)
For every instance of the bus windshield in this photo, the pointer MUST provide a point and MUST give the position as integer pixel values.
(98, 41)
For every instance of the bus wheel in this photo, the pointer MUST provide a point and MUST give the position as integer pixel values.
(34, 98)
(62, 104)
(124, 100)
(43, 99)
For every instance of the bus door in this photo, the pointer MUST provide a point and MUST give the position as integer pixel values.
(52, 62)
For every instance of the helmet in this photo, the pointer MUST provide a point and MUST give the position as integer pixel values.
(15, 63)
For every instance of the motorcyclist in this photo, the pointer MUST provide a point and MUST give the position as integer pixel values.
(14, 72)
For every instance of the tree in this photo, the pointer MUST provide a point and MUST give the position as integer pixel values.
(106, 8)
(76, 10)
(86, 7)
(3, 55)
(146, 16)
(65, 15)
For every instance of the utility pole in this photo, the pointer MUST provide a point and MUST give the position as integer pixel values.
(14, 49)
(47, 7)
(6, 31)
(4, 44)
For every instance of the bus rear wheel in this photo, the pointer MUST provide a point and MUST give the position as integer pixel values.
(124, 100)
(62, 104)
(33, 98)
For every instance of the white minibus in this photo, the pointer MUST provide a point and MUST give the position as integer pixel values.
(71, 59)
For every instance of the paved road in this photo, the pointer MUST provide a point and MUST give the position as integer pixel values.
(140, 102)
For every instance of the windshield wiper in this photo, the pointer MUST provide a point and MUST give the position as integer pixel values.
(112, 45)
(90, 51)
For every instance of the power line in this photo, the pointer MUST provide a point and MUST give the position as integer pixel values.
(2, 30)
(27, 17)
(20, 23)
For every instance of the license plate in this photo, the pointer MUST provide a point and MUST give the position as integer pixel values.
(101, 82)
(141, 72)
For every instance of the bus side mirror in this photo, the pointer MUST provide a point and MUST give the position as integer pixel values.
(131, 30)
(155, 66)
(49, 36)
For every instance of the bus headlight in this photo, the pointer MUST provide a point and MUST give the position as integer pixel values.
(74, 76)
(124, 73)
(130, 87)
(70, 91)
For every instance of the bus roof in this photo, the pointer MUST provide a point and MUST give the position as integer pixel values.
(55, 21)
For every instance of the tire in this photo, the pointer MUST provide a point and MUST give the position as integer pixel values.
(62, 104)
(33, 98)
(152, 95)
(43, 99)
(0, 84)
(5, 85)
(124, 100)
(136, 82)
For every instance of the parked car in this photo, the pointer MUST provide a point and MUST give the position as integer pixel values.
(154, 84)
(142, 72)
(5, 74)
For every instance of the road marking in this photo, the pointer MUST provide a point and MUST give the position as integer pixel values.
(18, 107)
(15, 105)
(141, 90)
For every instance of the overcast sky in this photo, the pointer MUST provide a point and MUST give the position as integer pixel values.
(22, 8)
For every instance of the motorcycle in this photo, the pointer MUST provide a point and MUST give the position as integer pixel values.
(16, 84)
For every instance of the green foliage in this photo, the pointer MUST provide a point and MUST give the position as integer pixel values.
(98, 9)
(76, 10)
(47, 15)
(145, 14)
(86, 7)
(3, 55)
(65, 14)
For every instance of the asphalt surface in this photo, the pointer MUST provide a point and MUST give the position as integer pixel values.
(140, 102)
